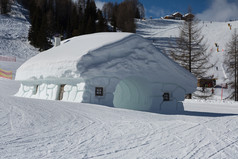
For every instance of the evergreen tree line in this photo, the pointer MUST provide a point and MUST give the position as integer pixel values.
(122, 15)
(68, 18)
(5, 6)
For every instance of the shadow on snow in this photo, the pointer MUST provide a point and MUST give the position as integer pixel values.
(199, 114)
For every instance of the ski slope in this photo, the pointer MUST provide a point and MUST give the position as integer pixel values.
(32, 128)
(13, 34)
(13, 38)
(165, 32)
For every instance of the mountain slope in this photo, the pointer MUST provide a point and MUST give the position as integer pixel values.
(163, 32)
(13, 38)
(14, 32)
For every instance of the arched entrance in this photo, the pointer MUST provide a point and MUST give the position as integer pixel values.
(133, 93)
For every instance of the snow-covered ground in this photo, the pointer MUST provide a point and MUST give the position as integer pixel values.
(32, 128)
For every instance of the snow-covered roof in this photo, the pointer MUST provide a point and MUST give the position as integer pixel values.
(105, 54)
(188, 14)
(57, 60)
(177, 13)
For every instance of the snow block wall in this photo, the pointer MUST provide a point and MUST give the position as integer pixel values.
(107, 83)
(42, 91)
(73, 93)
(176, 96)
(26, 91)
(139, 94)
(131, 93)
(134, 93)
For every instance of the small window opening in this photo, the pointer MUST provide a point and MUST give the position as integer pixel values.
(99, 91)
(166, 96)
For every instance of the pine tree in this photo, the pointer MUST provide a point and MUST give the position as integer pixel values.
(190, 50)
(231, 63)
(107, 10)
(81, 5)
(101, 24)
(114, 17)
(43, 41)
(126, 13)
(71, 18)
(90, 17)
(36, 20)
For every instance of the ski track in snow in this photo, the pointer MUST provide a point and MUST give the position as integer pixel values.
(31, 128)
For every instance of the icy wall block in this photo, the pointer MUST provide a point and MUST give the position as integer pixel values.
(86, 97)
(55, 92)
(180, 106)
(41, 93)
(80, 86)
(20, 91)
(72, 94)
(108, 100)
(169, 87)
(156, 103)
(156, 89)
(179, 94)
(28, 91)
(169, 106)
(99, 81)
(112, 85)
(79, 97)
(67, 89)
(89, 89)
(80, 91)
(52, 91)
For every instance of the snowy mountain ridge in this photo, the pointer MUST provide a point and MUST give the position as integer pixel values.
(14, 34)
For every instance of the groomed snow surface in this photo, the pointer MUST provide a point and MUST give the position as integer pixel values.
(33, 128)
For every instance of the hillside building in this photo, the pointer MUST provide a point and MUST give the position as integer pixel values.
(179, 16)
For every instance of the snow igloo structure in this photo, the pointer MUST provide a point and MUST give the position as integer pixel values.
(120, 70)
